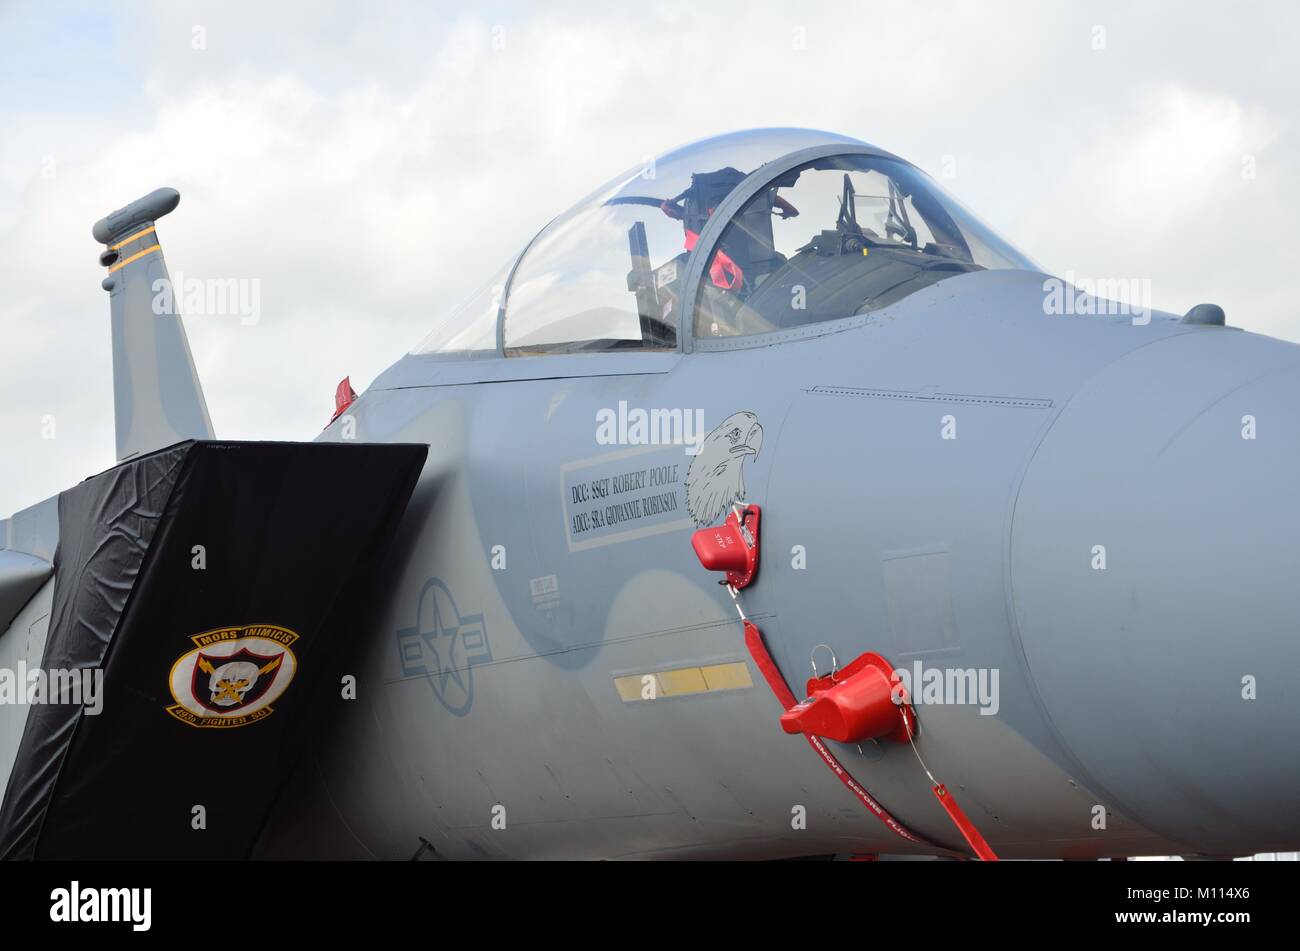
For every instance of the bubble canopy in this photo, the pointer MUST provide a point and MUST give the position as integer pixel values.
(610, 274)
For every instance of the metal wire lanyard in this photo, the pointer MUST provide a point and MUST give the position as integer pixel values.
(735, 599)
(950, 806)
(911, 739)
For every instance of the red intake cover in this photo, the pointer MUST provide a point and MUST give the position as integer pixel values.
(853, 704)
(725, 547)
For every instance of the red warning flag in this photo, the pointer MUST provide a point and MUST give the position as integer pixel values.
(344, 396)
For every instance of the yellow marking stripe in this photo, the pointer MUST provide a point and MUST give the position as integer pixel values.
(685, 681)
(135, 257)
(673, 683)
(727, 676)
(125, 241)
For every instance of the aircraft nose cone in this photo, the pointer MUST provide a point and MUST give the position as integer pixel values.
(1156, 580)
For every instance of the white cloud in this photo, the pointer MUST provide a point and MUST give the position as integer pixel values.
(371, 165)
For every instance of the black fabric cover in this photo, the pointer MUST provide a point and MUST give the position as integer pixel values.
(294, 535)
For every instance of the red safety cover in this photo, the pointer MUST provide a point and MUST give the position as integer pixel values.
(853, 705)
(725, 548)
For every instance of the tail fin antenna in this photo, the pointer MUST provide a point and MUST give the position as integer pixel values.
(157, 397)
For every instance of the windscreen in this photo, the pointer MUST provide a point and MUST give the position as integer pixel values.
(839, 236)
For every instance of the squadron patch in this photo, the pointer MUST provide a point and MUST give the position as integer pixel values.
(232, 675)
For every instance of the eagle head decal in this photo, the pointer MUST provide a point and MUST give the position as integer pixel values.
(716, 476)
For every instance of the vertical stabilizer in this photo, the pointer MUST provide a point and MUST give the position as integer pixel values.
(157, 397)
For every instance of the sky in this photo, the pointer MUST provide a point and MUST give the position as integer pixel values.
(370, 165)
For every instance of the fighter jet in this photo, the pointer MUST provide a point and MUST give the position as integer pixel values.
(766, 504)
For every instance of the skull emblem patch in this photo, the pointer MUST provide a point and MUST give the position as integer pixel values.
(232, 675)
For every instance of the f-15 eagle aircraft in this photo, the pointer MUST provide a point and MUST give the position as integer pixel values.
(1024, 580)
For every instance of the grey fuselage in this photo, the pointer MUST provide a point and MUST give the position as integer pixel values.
(937, 480)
